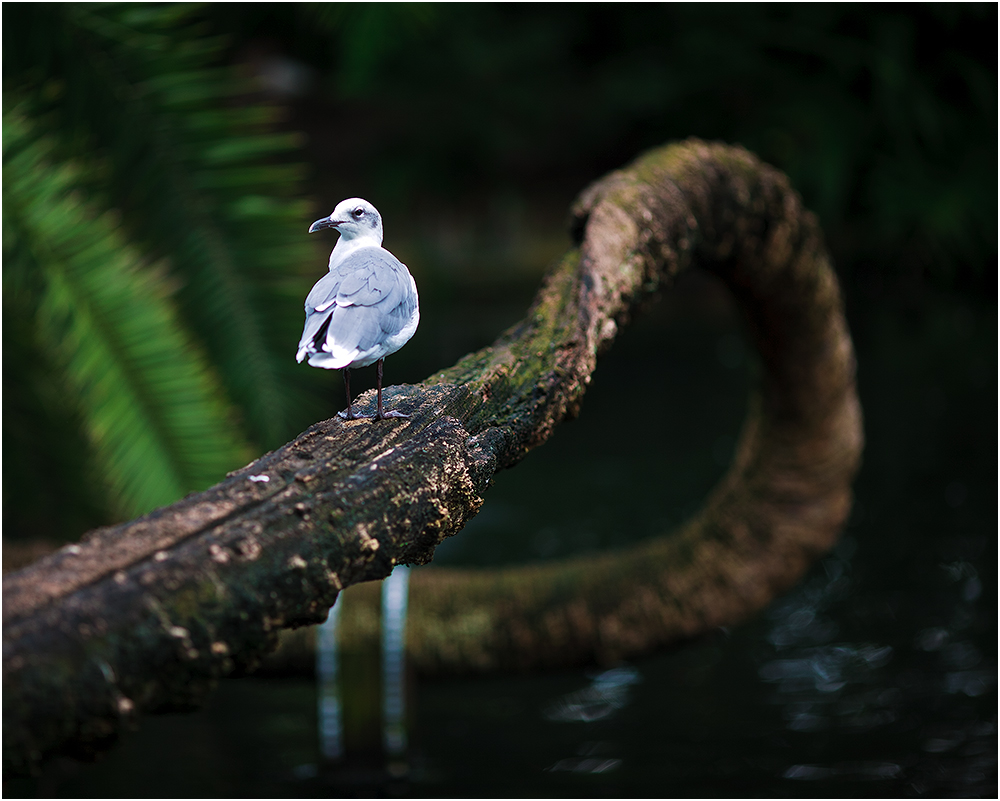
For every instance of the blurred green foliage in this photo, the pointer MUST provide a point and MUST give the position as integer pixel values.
(105, 321)
(153, 218)
(151, 231)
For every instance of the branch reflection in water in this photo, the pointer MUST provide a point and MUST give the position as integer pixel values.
(331, 717)
(395, 592)
(395, 595)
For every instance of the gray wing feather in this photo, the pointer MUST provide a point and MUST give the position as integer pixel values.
(351, 286)
(324, 290)
(366, 297)
(314, 322)
(368, 276)
(355, 327)
(399, 315)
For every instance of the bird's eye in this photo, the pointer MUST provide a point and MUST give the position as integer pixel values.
(359, 212)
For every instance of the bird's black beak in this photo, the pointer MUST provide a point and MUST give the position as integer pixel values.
(326, 222)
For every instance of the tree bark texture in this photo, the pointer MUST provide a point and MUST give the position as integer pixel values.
(148, 614)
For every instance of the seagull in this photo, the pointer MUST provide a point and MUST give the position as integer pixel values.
(365, 307)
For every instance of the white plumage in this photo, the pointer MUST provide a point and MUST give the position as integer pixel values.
(365, 307)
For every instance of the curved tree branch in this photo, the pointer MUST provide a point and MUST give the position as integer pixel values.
(146, 615)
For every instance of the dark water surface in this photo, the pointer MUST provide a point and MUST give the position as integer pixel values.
(875, 677)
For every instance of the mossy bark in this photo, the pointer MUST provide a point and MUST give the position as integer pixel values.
(148, 614)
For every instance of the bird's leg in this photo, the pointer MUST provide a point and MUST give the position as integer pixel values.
(348, 414)
(379, 414)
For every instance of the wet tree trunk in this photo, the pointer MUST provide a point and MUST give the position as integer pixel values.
(147, 615)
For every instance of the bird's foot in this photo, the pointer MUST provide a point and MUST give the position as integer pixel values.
(345, 415)
(386, 415)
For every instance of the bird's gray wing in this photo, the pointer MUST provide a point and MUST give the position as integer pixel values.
(366, 297)
(324, 291)
(396, 318)
(319, 301)
(353, 330)
(374, 286)
(369, 276)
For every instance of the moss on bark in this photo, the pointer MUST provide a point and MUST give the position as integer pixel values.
(149, 614)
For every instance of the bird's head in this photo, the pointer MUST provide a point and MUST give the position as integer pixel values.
(354, 218)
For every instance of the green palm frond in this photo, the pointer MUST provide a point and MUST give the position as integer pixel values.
(152, 410)
(195, 171)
